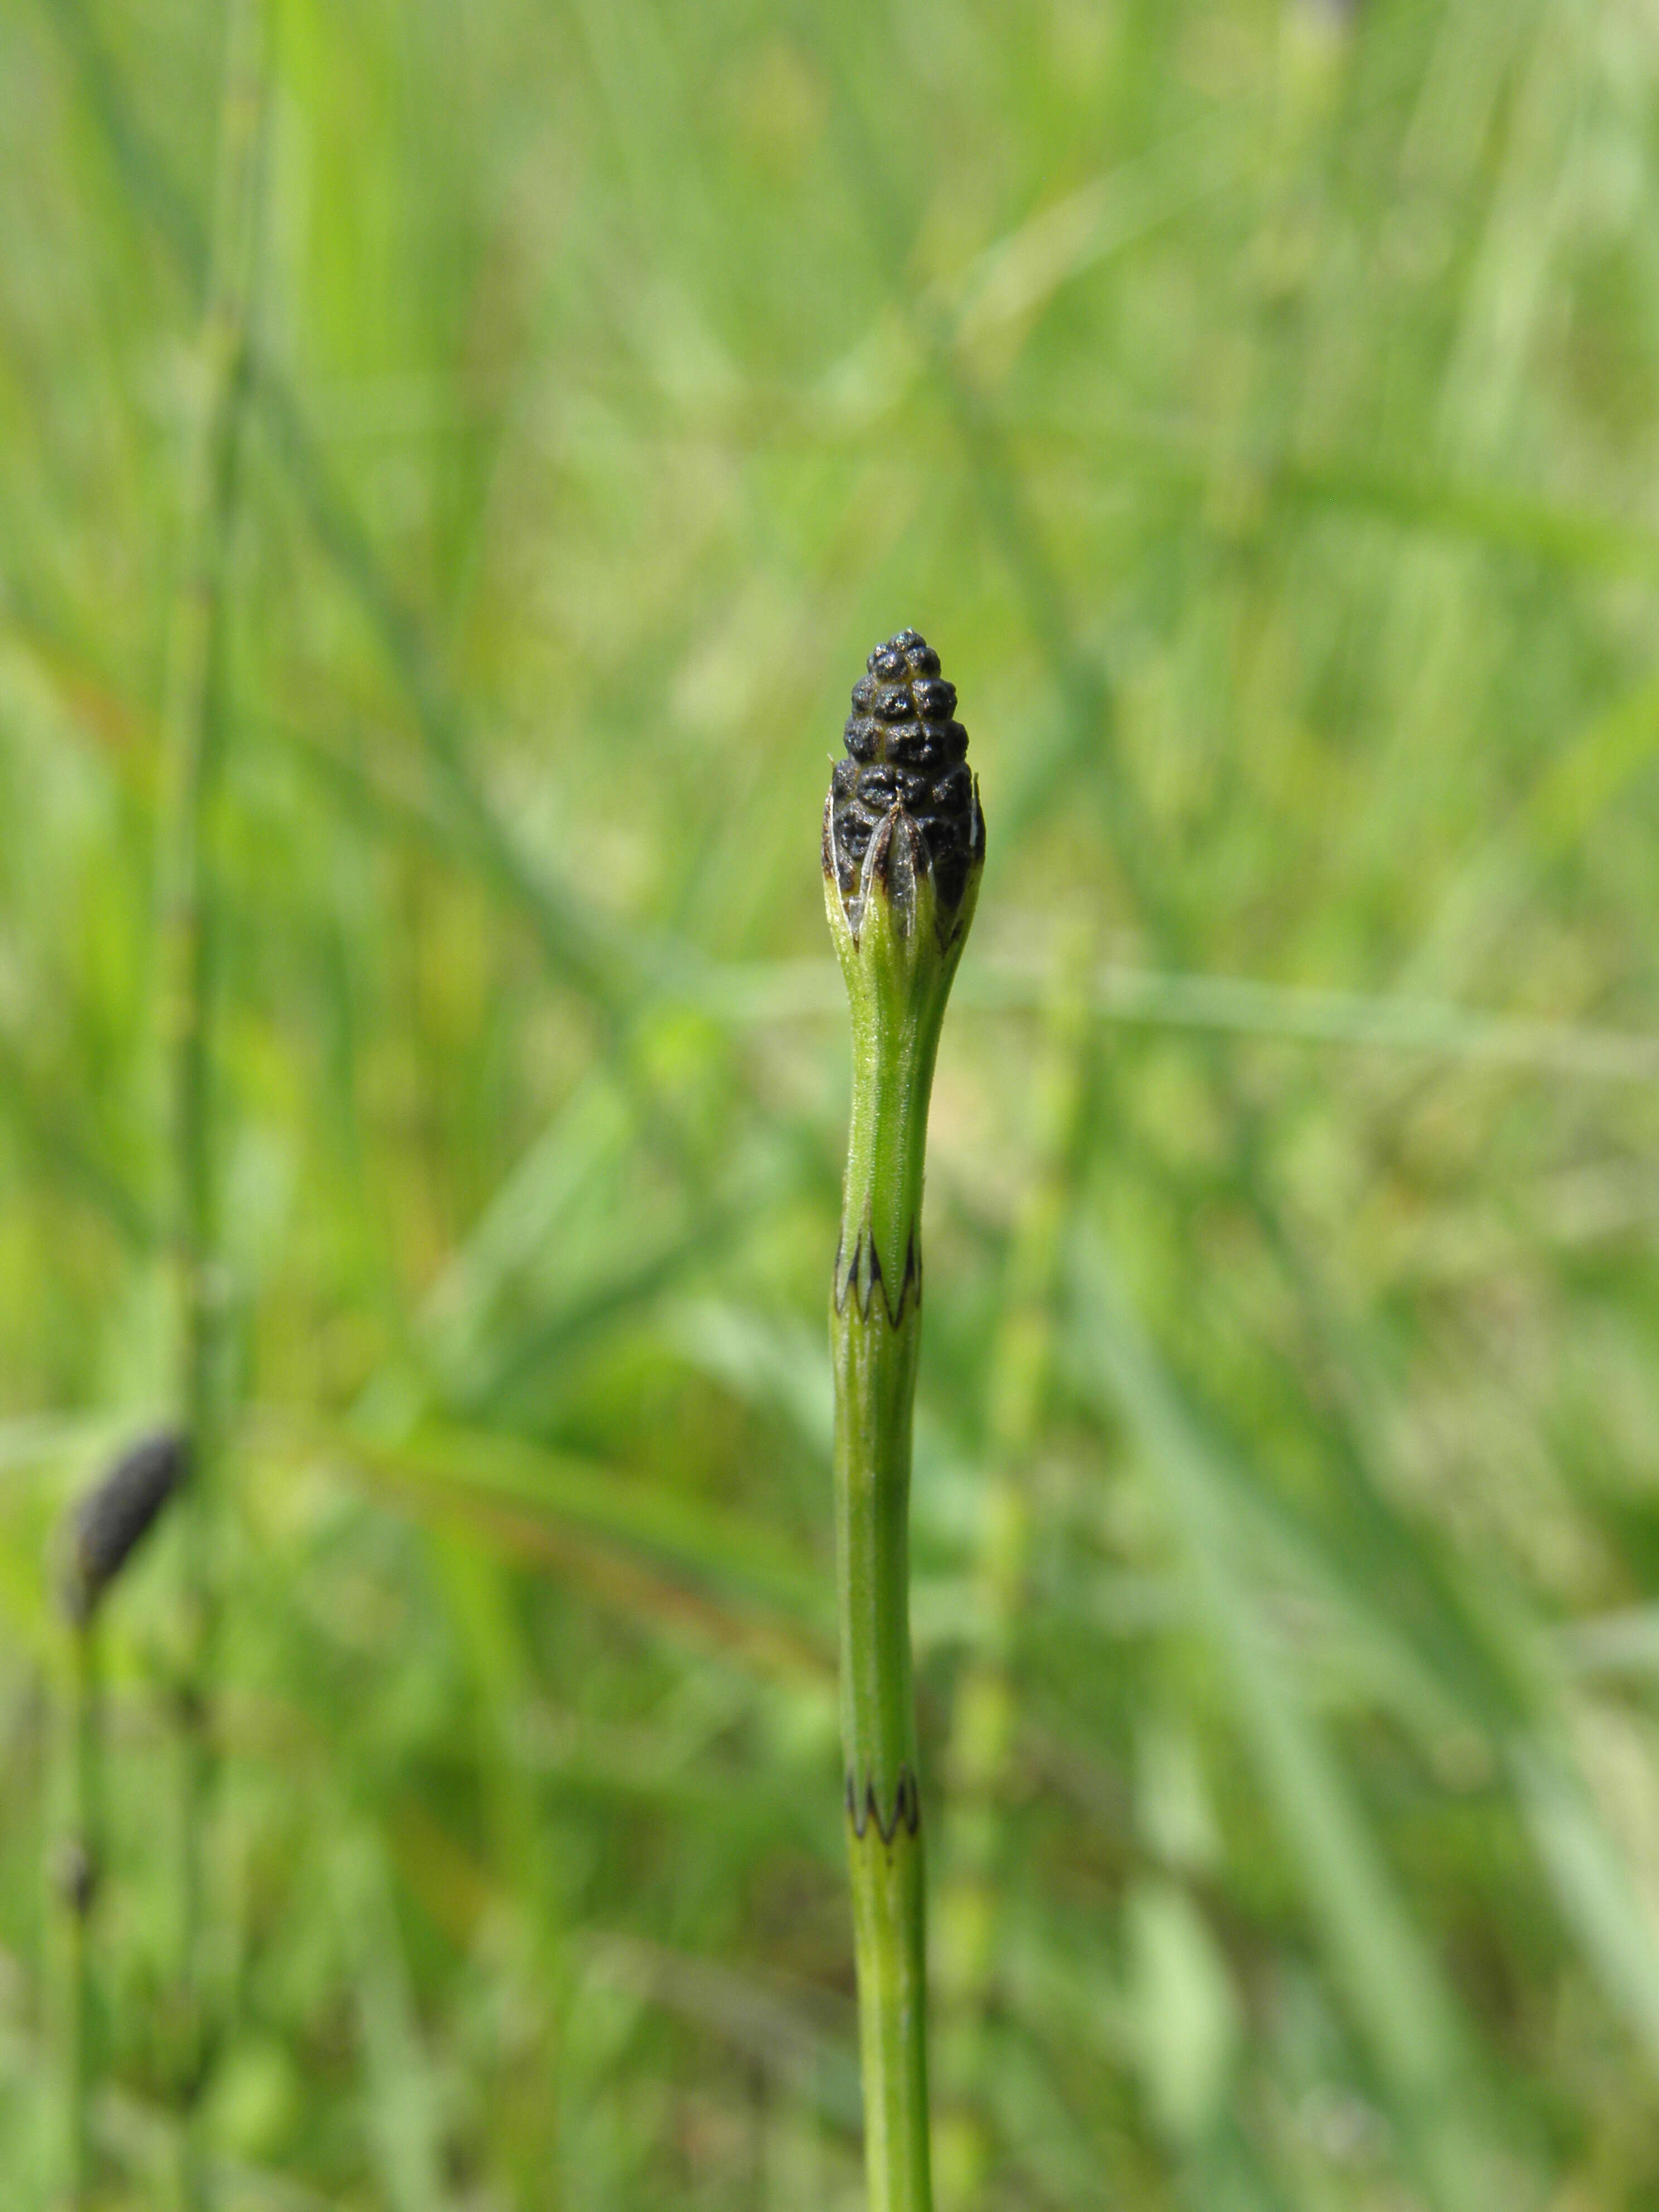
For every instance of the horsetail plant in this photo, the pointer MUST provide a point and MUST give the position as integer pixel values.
(903, 850)
(195, 737)
(108, 1525)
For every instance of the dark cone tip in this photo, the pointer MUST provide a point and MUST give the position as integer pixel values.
(905, 749)
(111, 1519)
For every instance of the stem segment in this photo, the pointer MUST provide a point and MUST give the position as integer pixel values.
(875, 1327)
(195, 739)
(77, 1880)
(899, 890)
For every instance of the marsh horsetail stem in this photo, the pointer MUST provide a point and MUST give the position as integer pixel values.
(196, 738)
(903, 848)
(105, 1528)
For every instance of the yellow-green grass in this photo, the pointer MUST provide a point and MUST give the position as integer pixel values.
(1254, 400)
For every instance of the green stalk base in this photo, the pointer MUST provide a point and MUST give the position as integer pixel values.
(888, 1937)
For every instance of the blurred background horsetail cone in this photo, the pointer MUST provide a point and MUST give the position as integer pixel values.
(113, 1519)
(904, 800)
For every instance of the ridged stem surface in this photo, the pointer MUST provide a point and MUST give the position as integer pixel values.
(903, 844)
(876, 1331)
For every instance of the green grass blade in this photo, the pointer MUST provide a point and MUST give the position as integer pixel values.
(1393, 1991)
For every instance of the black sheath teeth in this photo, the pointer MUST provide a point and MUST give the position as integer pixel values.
(865, 1811)
(905, 749)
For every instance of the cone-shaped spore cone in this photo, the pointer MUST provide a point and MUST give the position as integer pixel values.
(905, 751)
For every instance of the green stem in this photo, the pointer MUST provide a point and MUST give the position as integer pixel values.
(898, 951)
(876, 1326)
(899, 891)
(78, 1875)
(194, 737)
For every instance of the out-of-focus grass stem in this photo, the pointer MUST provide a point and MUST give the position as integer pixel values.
(575, 946)
(981, 1748)
(194, 741)
(78, 1869)
(108, 1525)
(619, 981)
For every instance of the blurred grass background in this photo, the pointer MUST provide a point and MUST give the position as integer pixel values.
(1253, 399)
